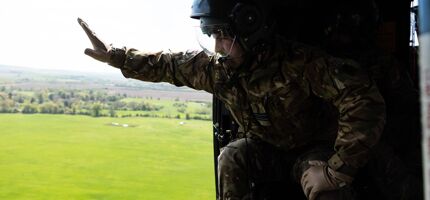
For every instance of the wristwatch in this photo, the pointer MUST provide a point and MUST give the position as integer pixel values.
(336, 163)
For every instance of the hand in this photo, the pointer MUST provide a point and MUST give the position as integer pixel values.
(100, 49)
(320, 177)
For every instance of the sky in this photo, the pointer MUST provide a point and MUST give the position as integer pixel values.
(45, 34)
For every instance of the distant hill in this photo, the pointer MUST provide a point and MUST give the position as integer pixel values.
(38, 79)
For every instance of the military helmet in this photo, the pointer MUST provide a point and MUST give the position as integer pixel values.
(248, 20)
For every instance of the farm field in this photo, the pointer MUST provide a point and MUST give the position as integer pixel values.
(46, 156)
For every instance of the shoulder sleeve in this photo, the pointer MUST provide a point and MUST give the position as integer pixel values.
(193, 69)
(361, 107)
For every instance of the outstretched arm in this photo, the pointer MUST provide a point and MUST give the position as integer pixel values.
(192, 69)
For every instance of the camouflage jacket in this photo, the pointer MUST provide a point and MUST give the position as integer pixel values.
(278, 99)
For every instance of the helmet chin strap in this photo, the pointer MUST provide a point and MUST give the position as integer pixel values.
(224, 58)
(231, 46)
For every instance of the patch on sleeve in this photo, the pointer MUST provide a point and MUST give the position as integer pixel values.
(259, 111)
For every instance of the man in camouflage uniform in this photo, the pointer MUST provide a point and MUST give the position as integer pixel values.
(305, 117)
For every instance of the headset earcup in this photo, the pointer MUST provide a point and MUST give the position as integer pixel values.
(246, 19)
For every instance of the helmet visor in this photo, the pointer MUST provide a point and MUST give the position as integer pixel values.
(208, 35)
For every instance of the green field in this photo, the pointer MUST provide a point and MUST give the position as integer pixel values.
(80, 157)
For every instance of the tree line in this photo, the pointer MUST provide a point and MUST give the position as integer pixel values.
(89, 102)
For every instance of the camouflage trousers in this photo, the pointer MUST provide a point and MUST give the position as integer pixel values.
(254, 170)
(251, 169)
